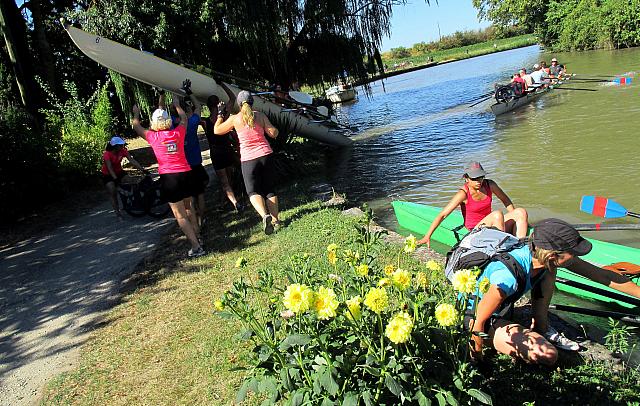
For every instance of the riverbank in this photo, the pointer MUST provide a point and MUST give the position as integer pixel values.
(414, 63)
(163, 344)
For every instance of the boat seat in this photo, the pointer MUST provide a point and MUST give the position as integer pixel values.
(624, 268)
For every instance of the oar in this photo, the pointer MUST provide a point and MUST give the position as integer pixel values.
(575, 88)
(483, 95)
(626, 317)
(605, 227)
(603, 207)
(301, 97)
(599, 291)
(481, 100)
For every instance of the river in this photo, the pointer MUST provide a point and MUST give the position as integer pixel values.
(417, 132)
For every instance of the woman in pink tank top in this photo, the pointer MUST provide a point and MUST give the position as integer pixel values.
(474, 199)
(255, 157)
(176, 180)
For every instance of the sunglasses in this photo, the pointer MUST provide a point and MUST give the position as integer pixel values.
(478, 179)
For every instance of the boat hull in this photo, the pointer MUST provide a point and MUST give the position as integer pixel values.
(154, 71)
(418, 218)
(342, 96)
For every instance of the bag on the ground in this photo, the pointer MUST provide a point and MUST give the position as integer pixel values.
(483, 246)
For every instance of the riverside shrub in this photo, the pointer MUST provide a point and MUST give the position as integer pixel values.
(328, 333)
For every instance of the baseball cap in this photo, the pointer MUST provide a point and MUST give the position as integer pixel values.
(473, 169)
(536, 66)
(245, 97)
(159, 114)
(558, 235)
(554, 60)
(117, 141)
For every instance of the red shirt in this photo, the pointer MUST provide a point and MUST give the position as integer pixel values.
(519, 80)
(168, 147)
(475, 210)
(115, 157)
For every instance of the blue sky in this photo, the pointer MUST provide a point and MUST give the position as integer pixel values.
(418, 21)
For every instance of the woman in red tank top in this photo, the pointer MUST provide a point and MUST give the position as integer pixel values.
(474, 199)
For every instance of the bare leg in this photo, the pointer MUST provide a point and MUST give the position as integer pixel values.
(272, 205)
(258, 203)
(517, 341)
(517, 222)
(191, 215)
(113, 196)
(494, 219)
(540, 300)
(604, 276)
(224, 176)
(200, 208)
(180, 213)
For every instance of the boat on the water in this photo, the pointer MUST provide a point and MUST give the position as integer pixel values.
(341, 94)
(154, 71)
(417, 218)
(517, 102)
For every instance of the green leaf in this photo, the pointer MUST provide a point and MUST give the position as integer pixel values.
(246, 334)
(366, 397)
(250, 385)
(371, 370)
(441, 400)
(285, 379)
(328, 382)
(328, 402)
(422, 399)
(480, 396)
(392, 385)
(297, 399)
(451, 399)
(293, 340)
(458, 384)
(350, 399)
(225, 315)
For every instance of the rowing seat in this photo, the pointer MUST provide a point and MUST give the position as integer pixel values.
(624, 268)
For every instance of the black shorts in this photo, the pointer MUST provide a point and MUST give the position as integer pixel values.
(176, 186)
(107, 178)
(259, 176)
(200, 179)
(222, 158)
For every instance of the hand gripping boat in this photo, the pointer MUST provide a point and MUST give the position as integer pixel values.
(417, 218)
(169, 76)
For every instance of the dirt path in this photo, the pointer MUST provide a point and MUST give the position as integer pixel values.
(55, 287)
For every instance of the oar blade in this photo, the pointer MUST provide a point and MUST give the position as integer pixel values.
(301, 97)
(602, 207)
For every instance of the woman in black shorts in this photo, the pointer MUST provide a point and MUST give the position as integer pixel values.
(112, 172)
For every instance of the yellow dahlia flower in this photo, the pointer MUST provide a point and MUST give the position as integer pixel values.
(298, 298)
(332, 247)
(484, 285)
(434, 266)
(362, 270)
(389, 270)
(446, 314)
(464, 281)
(410, 244)
(354, 311)
(384, 282)
(377, 300)
(401, 279)
(332, 257)
(421, 280)
(399, 328)
(219, 305)
(325, 303)
(241, 262)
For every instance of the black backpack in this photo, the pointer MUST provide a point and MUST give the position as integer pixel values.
(481, 247)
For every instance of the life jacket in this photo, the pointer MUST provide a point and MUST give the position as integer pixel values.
(481, 247)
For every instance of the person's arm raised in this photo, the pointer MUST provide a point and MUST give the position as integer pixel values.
(135, 123)
(232, 97)
(501, 195)
(181, 113)
(450, 207)
(222, 127)
(197, 107)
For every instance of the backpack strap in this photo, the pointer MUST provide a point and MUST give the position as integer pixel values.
(521, 281)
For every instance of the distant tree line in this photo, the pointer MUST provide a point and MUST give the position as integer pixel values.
(569, 24)
(455, 40)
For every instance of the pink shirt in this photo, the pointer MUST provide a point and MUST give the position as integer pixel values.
(253, 143)
(116, 160)
(475, 210)
(168, 147)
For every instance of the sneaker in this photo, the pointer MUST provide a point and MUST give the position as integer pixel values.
(560, 341)
(267, 225)
(277, 225)
(196, 253)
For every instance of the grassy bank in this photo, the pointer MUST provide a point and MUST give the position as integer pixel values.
(469, 51)
(163, 345)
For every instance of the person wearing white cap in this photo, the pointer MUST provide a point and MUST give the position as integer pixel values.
(177, 184)
(256, 157)
(112, 172)
(555, 70)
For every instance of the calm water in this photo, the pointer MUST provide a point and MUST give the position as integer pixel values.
(417, 132)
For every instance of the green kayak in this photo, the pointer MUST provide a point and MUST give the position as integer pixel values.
(417, 218)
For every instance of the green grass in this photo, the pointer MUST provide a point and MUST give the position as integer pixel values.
(468, 51)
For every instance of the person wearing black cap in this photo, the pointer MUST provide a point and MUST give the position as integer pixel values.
(475, 198)
(554, 243)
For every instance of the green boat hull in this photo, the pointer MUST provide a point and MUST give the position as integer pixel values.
(417, 218)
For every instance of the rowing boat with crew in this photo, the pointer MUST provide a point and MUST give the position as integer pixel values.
(506, 102)
(417, 218)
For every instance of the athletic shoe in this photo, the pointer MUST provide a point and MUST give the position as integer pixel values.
(277, 225)
(267, 225)
(196, 253)
(560, 341)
